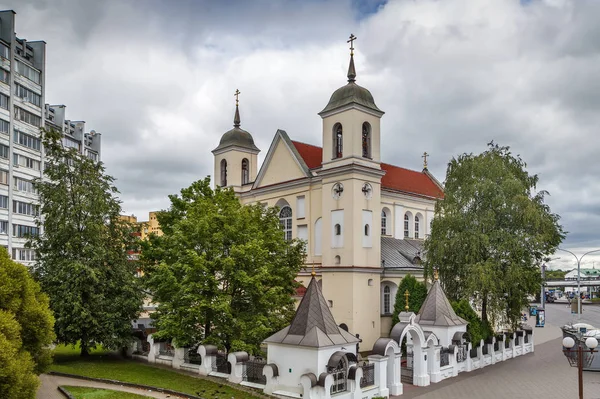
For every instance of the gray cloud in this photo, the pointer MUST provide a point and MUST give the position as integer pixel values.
(157, 79)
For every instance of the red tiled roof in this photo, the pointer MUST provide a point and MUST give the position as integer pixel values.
(395, 178)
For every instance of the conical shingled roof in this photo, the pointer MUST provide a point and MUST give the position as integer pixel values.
(436, 310)
(313, 324)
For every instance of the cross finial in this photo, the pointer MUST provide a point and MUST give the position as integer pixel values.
(351, 41)
(237, 97)
(425, 155)
(406, 295)
(313, 270)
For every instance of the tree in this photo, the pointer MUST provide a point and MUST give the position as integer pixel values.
(81, 257)
(222, 272)
(555, 274)
(477, 328)
(418, 293)
(25, 331)
(491, 233)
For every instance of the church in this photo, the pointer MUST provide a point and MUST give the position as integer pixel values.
(364, 220)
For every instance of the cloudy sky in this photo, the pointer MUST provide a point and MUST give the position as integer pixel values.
(157, 78)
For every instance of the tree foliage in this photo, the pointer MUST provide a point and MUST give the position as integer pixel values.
(418, 293)
(25, 331)
(222, 273)
(491, 233)
(82, 256)
(477, 328)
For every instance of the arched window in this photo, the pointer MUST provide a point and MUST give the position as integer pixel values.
(337, 260)
(366, 140)
(223, 173)
(383, 223)
(338, 141)
(367, 230)
(387, 300)
(340, 375)
(416, 226)
(285, 218)
(245, 171)
(338, 230)
(406, 225)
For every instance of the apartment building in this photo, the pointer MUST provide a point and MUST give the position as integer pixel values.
(23, 112)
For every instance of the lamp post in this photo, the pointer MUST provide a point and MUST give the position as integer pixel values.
(579, 277)
(575, 357)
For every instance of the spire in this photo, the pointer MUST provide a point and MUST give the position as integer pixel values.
(351, 69)
(436, 309)
(236, 118)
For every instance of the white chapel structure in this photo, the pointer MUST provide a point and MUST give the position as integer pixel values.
(364, 220)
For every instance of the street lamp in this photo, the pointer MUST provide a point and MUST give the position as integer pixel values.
(579, 277)
(575, 357)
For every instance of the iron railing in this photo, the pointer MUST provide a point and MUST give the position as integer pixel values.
(461, 355)
(191, 355)
(339, 380)
(444, 357)
(473, 352)
(220, 363)
(368, 377)
(253, 371)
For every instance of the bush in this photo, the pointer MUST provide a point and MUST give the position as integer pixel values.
(477, 328)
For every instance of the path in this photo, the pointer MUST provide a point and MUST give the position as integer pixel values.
(50, 383)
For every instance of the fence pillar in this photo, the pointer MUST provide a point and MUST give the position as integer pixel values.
(237, 360)
(452, 359)
(381, 373)
(178, 358)
(491, 350)
(208, 354)
(271, 373)
(435, 356)
(153, 350)
(480, 354)
(468, 359)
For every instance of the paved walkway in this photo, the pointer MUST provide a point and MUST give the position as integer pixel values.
(543, 374)
(50, 384)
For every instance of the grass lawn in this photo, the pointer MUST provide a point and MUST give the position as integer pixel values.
(101, 364)
(96, 393)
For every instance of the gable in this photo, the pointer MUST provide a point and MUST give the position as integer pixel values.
(281, 165)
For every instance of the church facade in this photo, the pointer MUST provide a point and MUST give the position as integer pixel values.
(364, 221)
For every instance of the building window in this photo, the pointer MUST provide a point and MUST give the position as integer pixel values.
(4, 177)
(27, 140)
(24, 208)
(4, 126)
(383, 223)
(340, 376)
(3, 227)
(68, 142)
(28, 72)
(4, 76)
(27, 95)
(338, 148)
(3, 101)
(337, 230)
(20, 160)
(4, 151)
(285, 219)
(245, 171)
(387, 300)
(366, 140)
(406, 225)
(416, 226)
(4, 201)
(27, 117)
(23, 185)
(223, 173)
(91, 155)
(4, 51)
(23, 254)
(20, 230)
(337, 260)
(367, 230)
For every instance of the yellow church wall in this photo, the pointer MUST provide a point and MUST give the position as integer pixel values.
(234, 167)
(282, 167)
(398, 205)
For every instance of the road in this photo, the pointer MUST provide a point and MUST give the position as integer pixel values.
(543, 374)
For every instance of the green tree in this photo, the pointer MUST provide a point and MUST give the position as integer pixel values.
(222, 273)
(25, 330)
(82, 256)
(418, 293)
(491, 233)
(477, 328)
(555, 274)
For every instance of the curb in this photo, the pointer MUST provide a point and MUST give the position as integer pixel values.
(115, 382)
(66, 393)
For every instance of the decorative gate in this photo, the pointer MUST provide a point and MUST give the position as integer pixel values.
(191, 355)
(253, 371)
(461, 355)
(406, 371)
(220, 363)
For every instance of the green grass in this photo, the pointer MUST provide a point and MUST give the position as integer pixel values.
(101, 364)
(96, 393)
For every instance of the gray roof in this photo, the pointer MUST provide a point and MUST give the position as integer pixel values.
(236, 136)
(351, 94)
(313, 324)
(401, 254)
(436, 310)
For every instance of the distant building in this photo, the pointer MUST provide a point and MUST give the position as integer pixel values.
(586, 274)
(22, 114)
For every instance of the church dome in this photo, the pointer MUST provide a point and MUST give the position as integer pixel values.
(351, 93)
(236, 136)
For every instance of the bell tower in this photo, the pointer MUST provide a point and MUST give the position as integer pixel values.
(351, 177)
(236, 157)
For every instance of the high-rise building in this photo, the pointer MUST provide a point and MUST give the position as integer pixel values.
(22, 113)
